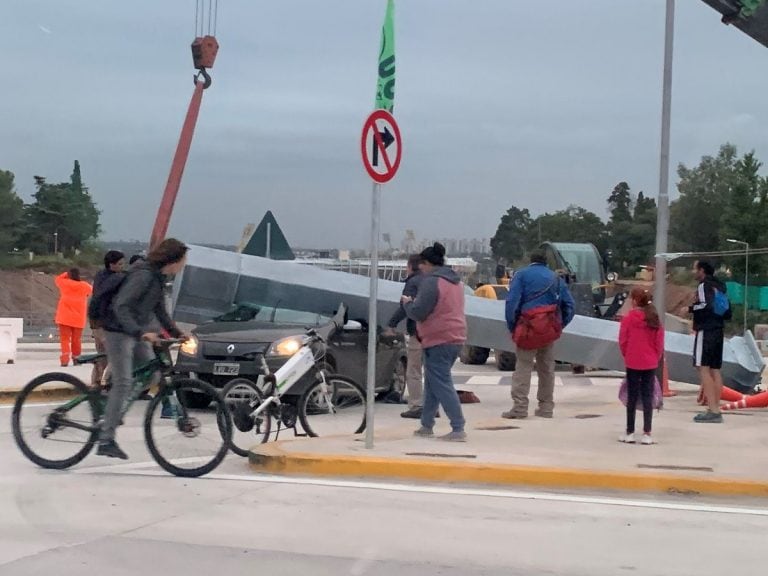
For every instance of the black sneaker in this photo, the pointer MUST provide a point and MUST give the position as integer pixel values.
(110, 449)
(414, 413)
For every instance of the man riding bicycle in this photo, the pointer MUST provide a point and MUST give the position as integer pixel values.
(139, 299)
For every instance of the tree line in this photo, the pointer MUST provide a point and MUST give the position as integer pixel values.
(723, 197)
(61, 218)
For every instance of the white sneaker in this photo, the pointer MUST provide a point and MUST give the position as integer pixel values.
(647, 440)
(627, 438)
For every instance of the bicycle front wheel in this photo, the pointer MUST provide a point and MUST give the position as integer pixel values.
(185, 441)
(335, 407)
(242, 397)
(54, 420)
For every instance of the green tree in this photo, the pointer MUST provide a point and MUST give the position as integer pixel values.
(574, 224)
(620, 224)
(11, 213)
(641, 233)
(512, 238)
(62, 215)
(705, 192)
(620, 203)
(744, 215)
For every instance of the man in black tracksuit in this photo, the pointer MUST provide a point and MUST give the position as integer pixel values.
(413, 376)
(709, 339)
(114, 260)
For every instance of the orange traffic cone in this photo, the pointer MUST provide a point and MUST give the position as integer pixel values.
(756, 401)
(728, 394)
(665, 391)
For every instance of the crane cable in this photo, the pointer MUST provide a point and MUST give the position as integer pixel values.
(200, 20)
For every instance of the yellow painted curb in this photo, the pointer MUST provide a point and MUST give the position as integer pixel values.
(272, 458)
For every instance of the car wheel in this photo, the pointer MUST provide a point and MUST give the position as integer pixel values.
(505, 361)
(474, 355)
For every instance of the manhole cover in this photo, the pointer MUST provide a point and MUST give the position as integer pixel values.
(439, 455)
(673, 467)
(495, 428)
(587, 416)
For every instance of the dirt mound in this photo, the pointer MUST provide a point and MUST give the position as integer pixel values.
(678, 297)
(28, 294)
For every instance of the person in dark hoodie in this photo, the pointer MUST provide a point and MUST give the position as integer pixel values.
(139, 299)
(708, 343)
(413, 376)
(438, 311)
(114, 261)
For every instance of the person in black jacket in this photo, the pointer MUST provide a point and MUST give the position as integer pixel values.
(140, 299)
(114, 260)
(708, 343)
(413, 375)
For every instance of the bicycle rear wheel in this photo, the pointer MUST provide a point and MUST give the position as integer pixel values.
(335, 407)
(242, 397)
(185, 441)
(57, 436)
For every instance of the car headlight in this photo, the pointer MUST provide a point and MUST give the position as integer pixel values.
(189, 348)
(286, 346)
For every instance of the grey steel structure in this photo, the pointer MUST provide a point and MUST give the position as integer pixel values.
(214, 280)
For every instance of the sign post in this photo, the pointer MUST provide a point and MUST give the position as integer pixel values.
(381, 148)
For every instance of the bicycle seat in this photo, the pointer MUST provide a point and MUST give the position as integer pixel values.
(87, 358)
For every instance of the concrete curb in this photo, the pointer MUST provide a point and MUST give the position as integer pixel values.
(47, 394)
(271, 458)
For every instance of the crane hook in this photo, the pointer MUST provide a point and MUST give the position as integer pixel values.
(206, 78)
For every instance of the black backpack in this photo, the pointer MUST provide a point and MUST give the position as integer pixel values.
(98, 307)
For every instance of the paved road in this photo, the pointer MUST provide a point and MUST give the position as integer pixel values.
(125, 519)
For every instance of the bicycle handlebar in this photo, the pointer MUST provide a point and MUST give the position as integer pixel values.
(169, 341)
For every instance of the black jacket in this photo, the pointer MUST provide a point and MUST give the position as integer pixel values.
(103, 280)
(704, 317)
(140, 297)
(411, 288)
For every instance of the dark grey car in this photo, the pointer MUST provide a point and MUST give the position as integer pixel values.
(223, 350)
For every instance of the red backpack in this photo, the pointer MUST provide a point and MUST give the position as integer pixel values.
(540, 326)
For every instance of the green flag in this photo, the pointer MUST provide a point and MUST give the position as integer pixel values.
(385, 89)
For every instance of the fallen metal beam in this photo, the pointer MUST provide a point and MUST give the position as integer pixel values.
(214, 280)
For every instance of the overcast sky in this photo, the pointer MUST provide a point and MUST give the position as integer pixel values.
(500, 102)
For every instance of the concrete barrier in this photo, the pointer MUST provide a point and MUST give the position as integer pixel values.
(11, 330)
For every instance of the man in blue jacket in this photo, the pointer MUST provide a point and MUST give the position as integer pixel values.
(533, 287)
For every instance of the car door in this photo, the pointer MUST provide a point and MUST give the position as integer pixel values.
(350, 351)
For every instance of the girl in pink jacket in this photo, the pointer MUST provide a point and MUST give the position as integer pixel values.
(641, 340)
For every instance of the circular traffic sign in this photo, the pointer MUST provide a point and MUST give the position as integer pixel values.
(381, 146)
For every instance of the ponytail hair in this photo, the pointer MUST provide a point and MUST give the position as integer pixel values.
(642, 300)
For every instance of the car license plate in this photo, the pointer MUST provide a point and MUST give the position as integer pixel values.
(226, 368)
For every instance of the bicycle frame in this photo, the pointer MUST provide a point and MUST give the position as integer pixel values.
(286, 376)
(142, 376)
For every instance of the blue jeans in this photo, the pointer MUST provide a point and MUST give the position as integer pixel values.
(438, 386)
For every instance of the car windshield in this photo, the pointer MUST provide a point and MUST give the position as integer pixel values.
(583, 260)
(271, 314)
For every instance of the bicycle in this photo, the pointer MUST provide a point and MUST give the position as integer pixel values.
(331, 405)
(168, 422)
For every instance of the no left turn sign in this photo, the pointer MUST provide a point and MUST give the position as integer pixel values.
(381, 146)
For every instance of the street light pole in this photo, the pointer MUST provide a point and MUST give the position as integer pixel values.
(746, 276)
(662, 218)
